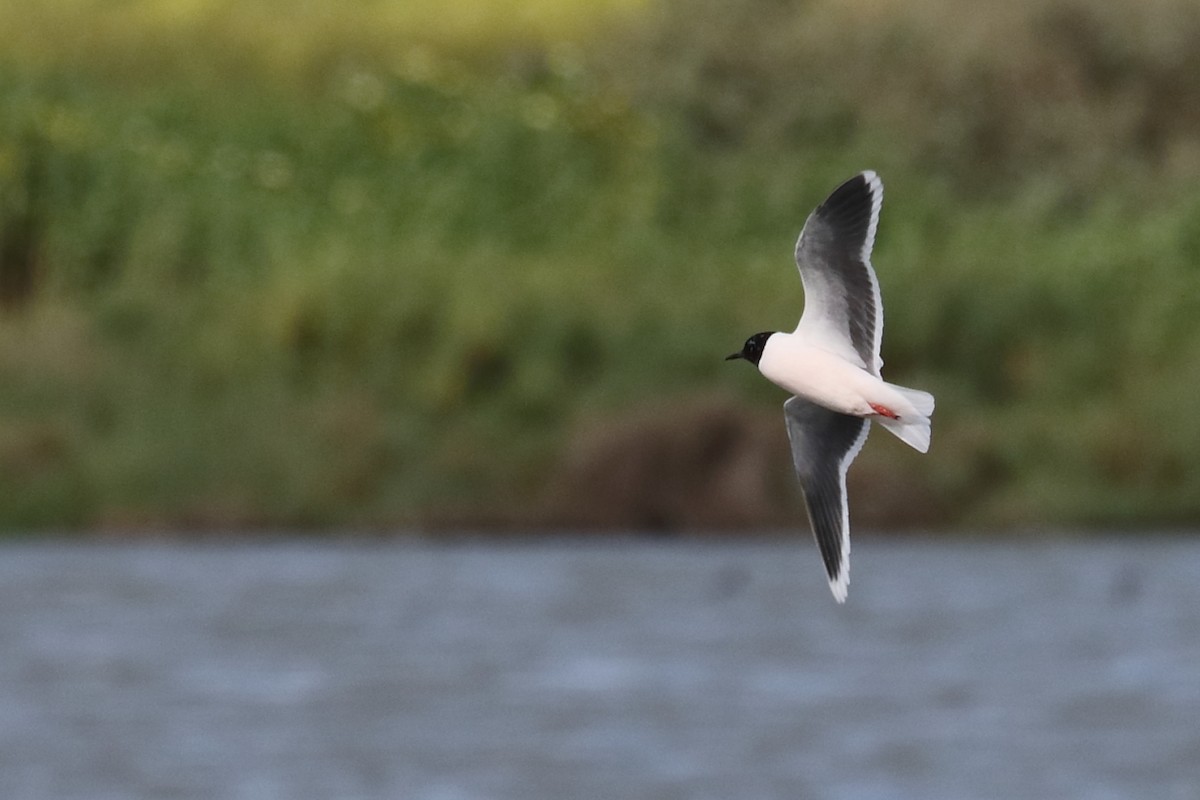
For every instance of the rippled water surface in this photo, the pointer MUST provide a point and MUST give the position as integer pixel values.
(475, 671)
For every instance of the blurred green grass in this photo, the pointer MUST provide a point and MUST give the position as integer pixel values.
(374, 267)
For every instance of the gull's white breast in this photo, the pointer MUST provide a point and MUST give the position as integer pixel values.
(816, 374)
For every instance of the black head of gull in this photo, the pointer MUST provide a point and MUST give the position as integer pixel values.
(752, 350)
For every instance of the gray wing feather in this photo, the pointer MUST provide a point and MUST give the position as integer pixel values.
(841, 293)
(824, 443)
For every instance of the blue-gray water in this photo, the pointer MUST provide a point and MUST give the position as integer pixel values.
(475, 671)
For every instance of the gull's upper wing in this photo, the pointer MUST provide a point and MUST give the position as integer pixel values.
(824, 443)
(842, 309)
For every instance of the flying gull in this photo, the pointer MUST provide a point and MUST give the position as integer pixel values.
(831, 365)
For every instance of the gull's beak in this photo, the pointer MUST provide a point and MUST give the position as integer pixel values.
(733, 356)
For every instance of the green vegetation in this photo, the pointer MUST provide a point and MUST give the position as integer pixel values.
(379, 267)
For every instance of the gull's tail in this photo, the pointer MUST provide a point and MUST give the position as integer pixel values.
(912, 426)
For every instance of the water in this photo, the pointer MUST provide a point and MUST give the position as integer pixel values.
(474, 671)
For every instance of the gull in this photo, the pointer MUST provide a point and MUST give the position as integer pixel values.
(831, 365)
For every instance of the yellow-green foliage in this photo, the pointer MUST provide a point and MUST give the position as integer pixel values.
(287, 39)
(293, 263)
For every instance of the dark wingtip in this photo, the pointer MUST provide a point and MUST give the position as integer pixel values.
(851, 202)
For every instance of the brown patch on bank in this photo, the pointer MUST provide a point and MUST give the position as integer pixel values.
(715, 463)
(694, 463)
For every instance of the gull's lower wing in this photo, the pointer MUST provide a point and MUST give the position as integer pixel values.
(824, 443)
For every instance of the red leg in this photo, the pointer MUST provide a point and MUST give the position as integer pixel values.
(884, 411)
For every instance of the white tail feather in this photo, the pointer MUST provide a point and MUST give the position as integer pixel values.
(921, 401)
(913, 431)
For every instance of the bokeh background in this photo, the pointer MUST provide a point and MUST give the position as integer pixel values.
(325, 328)
(417, 265)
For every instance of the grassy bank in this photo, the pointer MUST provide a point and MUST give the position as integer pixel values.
(400, 267)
